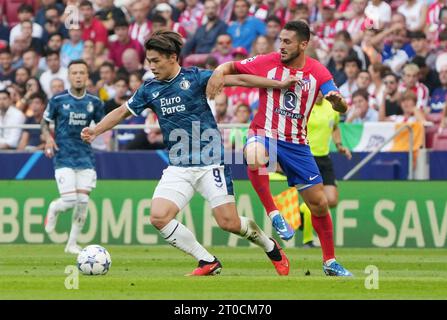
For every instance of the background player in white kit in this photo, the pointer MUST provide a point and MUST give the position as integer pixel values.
(74, 160)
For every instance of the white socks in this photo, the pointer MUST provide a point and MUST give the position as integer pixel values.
(251, 232)
(79, 216)
(182, 238)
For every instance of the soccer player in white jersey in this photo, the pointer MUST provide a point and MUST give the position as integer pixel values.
(74, 161)
(177, 95)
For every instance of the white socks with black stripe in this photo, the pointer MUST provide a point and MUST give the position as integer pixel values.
(251, 231)
(176, 234)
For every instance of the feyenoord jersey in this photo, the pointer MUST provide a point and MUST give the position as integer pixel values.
(283, 113)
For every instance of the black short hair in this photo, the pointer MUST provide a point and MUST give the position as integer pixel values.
(417, 35)
(159, 19)
(344, 34)
(77, 61)
(391, 74)
(86, 3)
(52, 52)
(122, 77)
(5, 92)
(442, 35)
(121, 23)
(6, 49)
(55, 34)
(107, 64)
(352, 58)
(165, 42)
(301, 29)
(419, 61)
(273, 18)
(301, 6)
(25, 8)
(362, 93)
(39, 96)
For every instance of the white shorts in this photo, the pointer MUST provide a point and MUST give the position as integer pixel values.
(178, 185)
(70, 180)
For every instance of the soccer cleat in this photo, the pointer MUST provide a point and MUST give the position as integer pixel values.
(206, 268)
(281, 226)
(73, 249)
(309, 245)
(279, 259)
(336, 270)
(51, 219)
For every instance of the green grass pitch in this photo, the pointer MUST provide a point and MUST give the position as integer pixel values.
(145, 272)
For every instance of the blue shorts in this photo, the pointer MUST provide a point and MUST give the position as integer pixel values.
(296, 161)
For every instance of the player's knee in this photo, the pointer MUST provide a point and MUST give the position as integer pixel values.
(159, 219)
(68, 201)
(229, 224)
(332, 201)
(255, 156)
(319, 207)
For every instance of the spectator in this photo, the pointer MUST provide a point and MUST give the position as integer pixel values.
(134, 81)
(411, 113)
(56, 86)
(327, 29)
(165, 10)
(355, 25)
(16, 93)
(204, 39)
(396, 51)
(121, 87)
(438, 97)
(192, 17)
(351, 67)
(32, 86)
(25, 13)
(31, 139)
(21, 76)
(245, 29)
(131, 63)
(179, 7)
(6, 69)
(9, 116)
(53, 24)
(427, 76)
(108, 14)
(41, 18)
(335, 65)
(31, 42)
(379, 12)
(55, 70)
(55, 42)
(211, 63)
(239, 54)
(415, 13)
(141, 28)
(390, 104)
(410, 83)
(122, 43)
(159, 23)
(261, 46)
(73, 48)
(224, 49)
(105, 86)
(259, 10)
(377, 72)
(360, 112)
(354, 50)
(273, 28)
(93, 29)
(238, 136)
(221, 115)
(31, 62)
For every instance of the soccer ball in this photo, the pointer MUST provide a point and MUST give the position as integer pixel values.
(94, 260)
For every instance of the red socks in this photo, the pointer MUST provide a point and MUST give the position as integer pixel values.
(261, 183)
(324, 229)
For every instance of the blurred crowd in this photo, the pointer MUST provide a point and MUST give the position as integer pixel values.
(389, 58)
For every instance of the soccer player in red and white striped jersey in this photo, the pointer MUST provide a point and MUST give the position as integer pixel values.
(279, 128)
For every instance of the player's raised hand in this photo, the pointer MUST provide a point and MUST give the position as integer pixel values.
(88, 135)
(50, 147)
(337, 101)
(215, 85)
(289, 82)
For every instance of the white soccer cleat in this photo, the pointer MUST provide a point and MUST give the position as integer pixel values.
(51, 219)
(73, 249)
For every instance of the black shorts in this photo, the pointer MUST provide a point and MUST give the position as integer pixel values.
(324, 163)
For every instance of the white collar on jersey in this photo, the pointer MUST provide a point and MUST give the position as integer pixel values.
(76, 97)
(172, 79)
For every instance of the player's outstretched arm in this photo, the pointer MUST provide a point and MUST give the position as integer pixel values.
(250, 81)
(338, 103)
(217, 80)
(110, 120)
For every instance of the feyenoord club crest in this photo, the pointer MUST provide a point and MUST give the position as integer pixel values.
(185, 84)
(90, 107)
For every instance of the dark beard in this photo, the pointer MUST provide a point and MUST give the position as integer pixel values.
(292, 57)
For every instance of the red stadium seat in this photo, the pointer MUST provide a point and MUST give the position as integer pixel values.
(430, 132)
(440, 141)
(434, 117)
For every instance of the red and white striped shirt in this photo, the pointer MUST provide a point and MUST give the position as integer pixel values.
(140, 32)
(283, 114)
(433, 12)
(421, 92)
